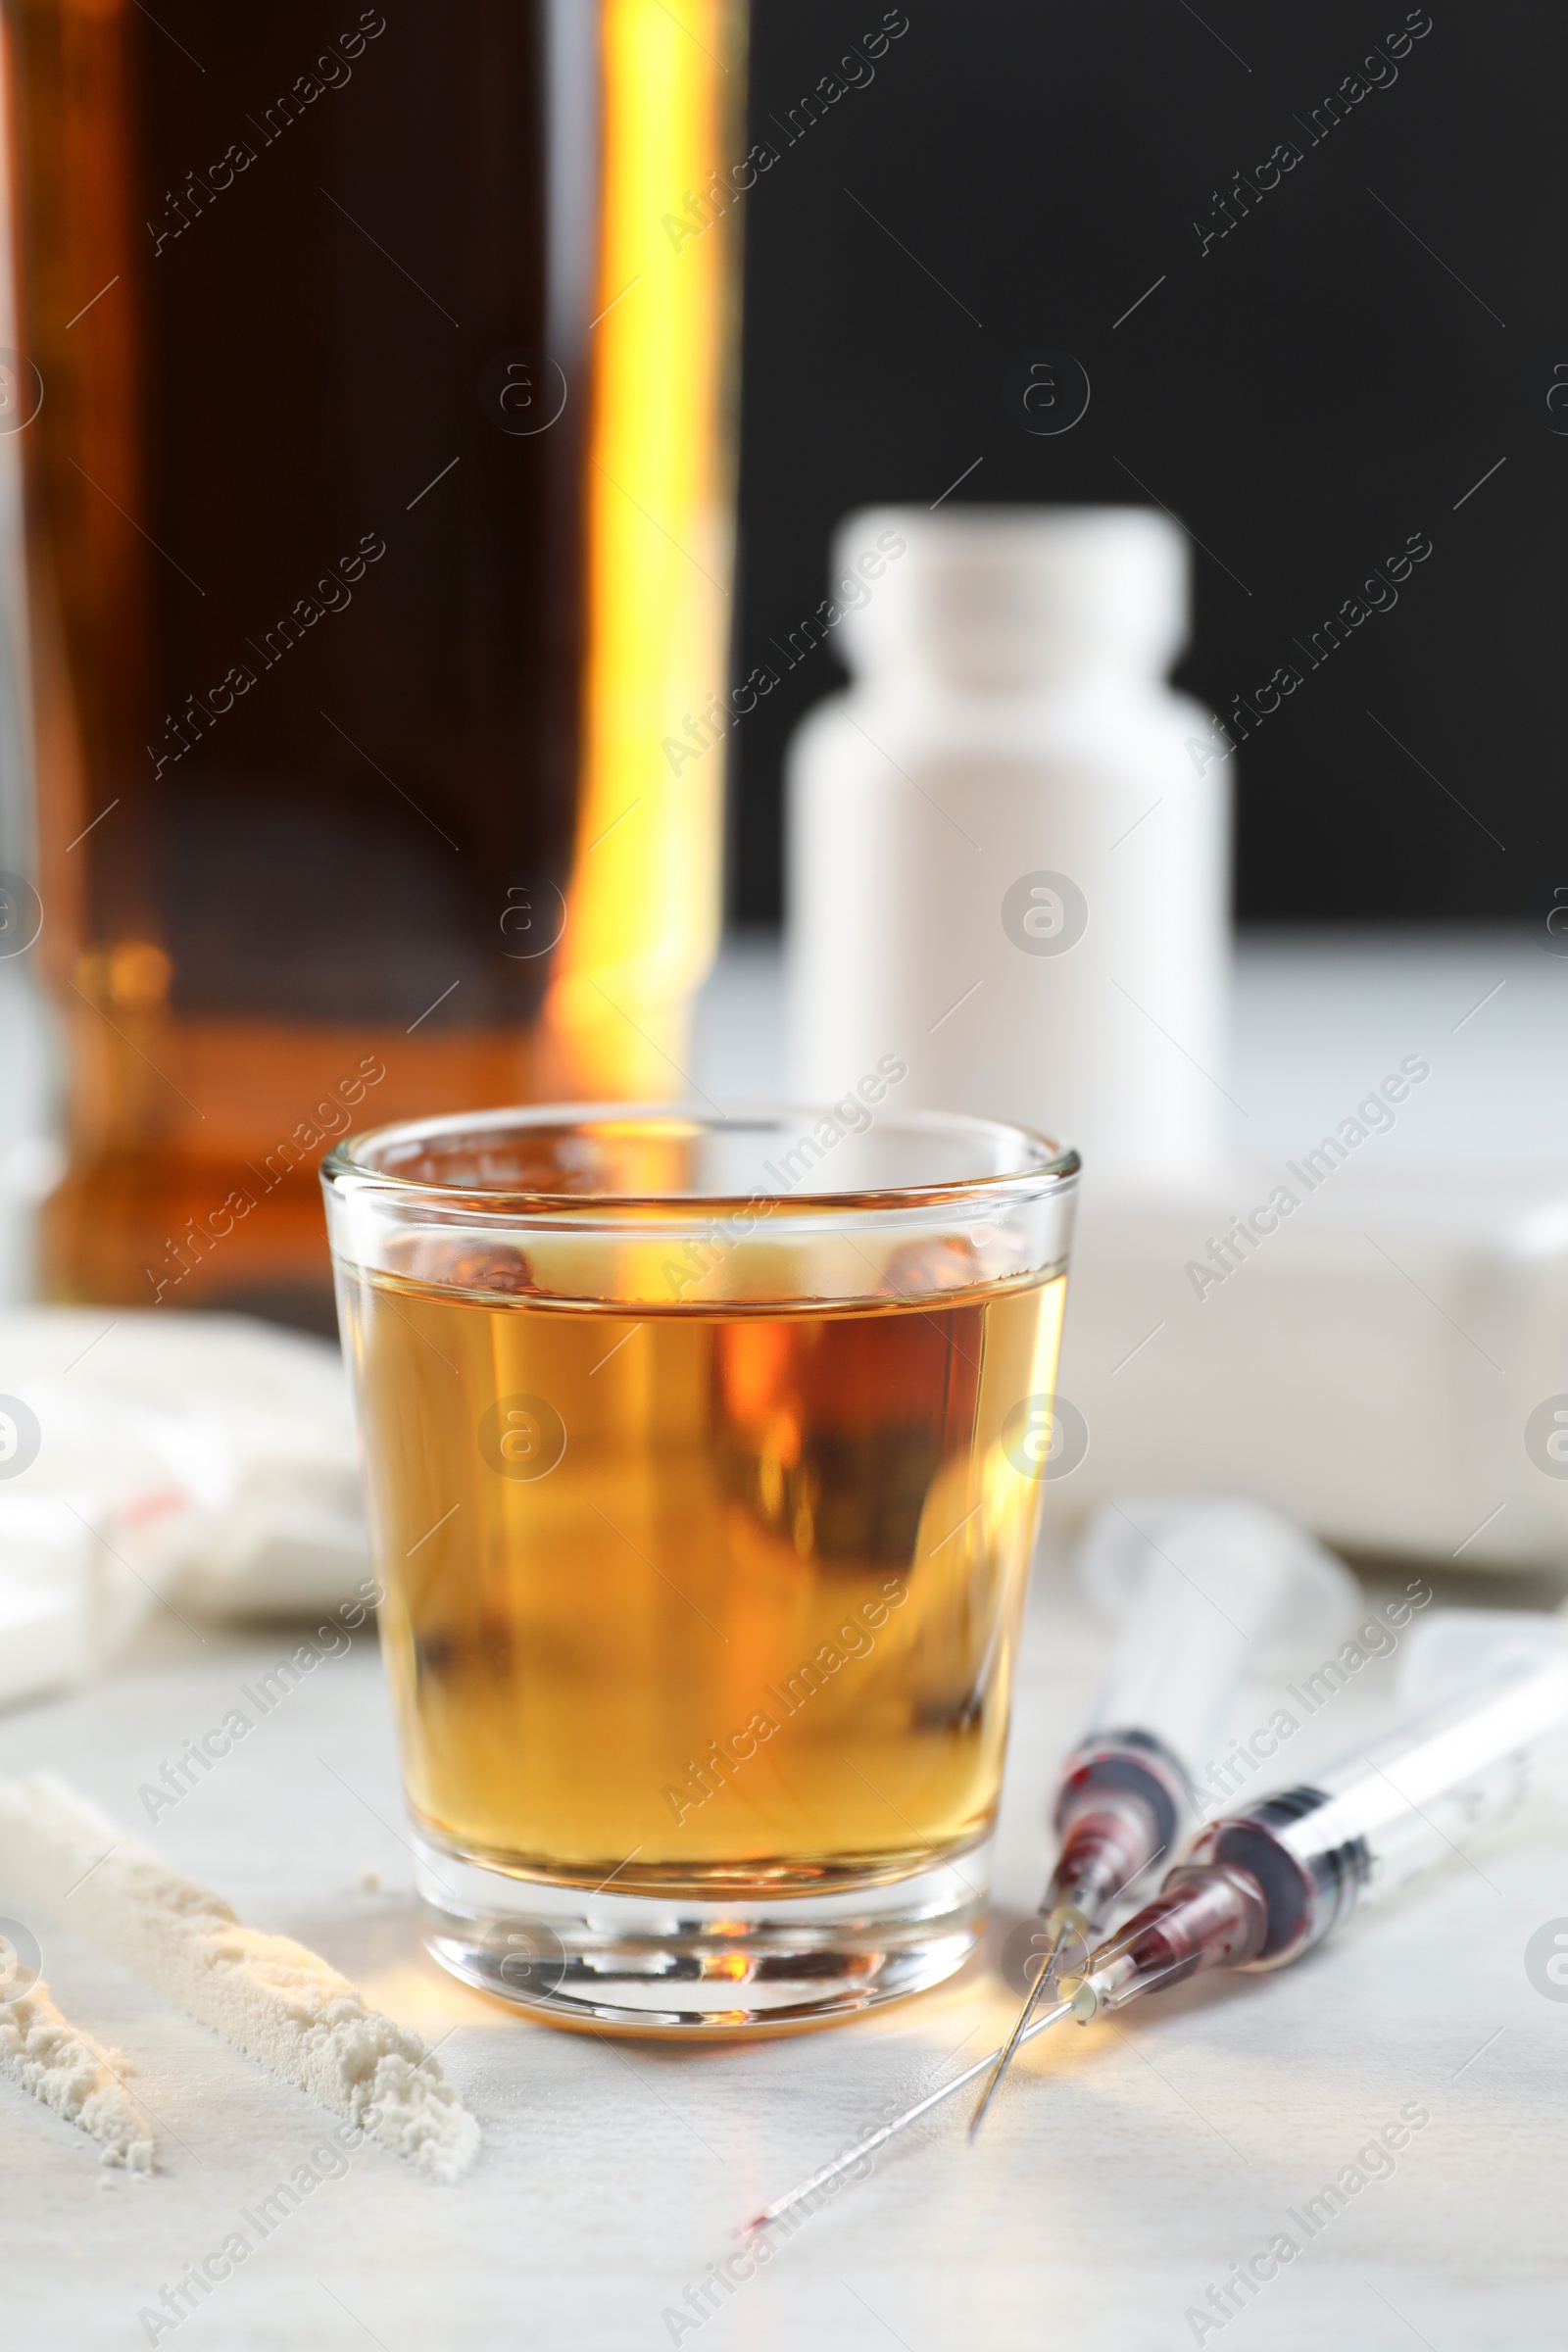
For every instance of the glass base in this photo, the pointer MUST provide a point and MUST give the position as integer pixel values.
(666, 1965)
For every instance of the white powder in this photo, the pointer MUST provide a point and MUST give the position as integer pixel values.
(71, 2073)
(269, 1997)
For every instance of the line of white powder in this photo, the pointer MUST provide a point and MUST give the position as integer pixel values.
(71, 2073)
(273, 2000)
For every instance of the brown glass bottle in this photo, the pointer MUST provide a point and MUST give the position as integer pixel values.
(377, 540)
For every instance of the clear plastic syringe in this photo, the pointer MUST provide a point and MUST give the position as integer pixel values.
(1202, 1585)
(1263, 1886)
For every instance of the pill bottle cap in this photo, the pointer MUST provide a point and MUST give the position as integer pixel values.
(1009, 598)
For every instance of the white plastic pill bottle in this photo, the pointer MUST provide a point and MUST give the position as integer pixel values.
(1008, 842)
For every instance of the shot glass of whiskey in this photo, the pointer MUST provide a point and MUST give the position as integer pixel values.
(703, 1461)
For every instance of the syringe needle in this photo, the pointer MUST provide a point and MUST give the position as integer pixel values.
(876, 2139)
(1014, 2040)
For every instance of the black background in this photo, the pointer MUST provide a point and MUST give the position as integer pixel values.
(1304, 396)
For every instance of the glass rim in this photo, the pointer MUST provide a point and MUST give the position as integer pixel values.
(1048, 1164)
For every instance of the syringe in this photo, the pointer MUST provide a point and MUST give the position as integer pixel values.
(1198, 1585)
(1264, 1886)
(1261, 1887)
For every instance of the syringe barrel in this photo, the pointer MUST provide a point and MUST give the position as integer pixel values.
(1397, 1808)
(1202, 1587)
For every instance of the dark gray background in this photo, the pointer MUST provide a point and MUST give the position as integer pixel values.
(1307, 394)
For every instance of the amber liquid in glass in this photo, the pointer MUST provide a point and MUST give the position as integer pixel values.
(718, 1597)
(377, 495)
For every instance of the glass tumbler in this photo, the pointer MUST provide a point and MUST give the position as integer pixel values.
(703, 1462)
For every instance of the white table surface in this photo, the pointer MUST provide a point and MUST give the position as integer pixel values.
(1129, 2168)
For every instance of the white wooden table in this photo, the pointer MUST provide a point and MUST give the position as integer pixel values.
(1128, 2170)
(1126, 2173)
